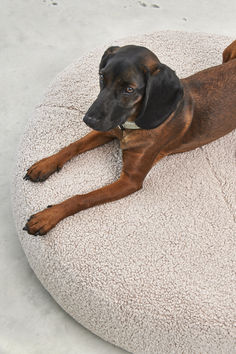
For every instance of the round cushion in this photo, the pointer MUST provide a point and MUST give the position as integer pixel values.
(152, 272)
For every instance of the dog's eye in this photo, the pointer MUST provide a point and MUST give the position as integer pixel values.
(101, 77)
(129, 90)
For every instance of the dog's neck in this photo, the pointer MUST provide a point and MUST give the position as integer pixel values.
(129, 125)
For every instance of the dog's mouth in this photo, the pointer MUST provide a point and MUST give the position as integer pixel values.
(102, 125)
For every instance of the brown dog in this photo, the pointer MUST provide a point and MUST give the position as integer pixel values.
(153, 114)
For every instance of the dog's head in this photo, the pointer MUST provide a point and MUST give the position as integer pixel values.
(134, 86)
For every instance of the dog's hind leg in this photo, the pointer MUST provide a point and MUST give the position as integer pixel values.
(230, 52)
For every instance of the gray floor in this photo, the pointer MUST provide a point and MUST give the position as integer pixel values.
(38, 39)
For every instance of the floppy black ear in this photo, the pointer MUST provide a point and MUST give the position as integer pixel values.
(107, 55)
(163, 92)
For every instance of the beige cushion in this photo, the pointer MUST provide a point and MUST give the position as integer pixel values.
(153, 272)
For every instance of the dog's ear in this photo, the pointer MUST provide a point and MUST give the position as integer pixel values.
(163, 92)
(107, 55)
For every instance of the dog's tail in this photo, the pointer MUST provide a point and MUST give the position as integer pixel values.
(230, 52)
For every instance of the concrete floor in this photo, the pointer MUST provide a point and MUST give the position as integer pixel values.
(38, 38)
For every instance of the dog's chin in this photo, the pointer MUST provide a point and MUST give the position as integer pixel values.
(105, 128)
(102, 129)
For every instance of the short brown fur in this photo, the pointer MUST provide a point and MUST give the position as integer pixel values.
(206, 113)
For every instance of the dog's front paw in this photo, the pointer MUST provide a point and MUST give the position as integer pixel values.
(42, 169)
(44, 221)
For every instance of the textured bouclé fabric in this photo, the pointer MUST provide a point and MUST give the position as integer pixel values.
(153, 272)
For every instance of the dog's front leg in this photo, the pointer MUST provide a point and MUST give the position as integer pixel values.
(136, 165)
(42, 169)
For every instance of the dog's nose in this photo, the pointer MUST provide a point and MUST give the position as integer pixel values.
(90, 120)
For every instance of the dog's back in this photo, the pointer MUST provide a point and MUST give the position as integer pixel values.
(214, 95)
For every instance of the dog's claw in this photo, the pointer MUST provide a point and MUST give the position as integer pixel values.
(49, 206)
(37, 233)
(25, 228)
(26, 177)
(58, 168)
